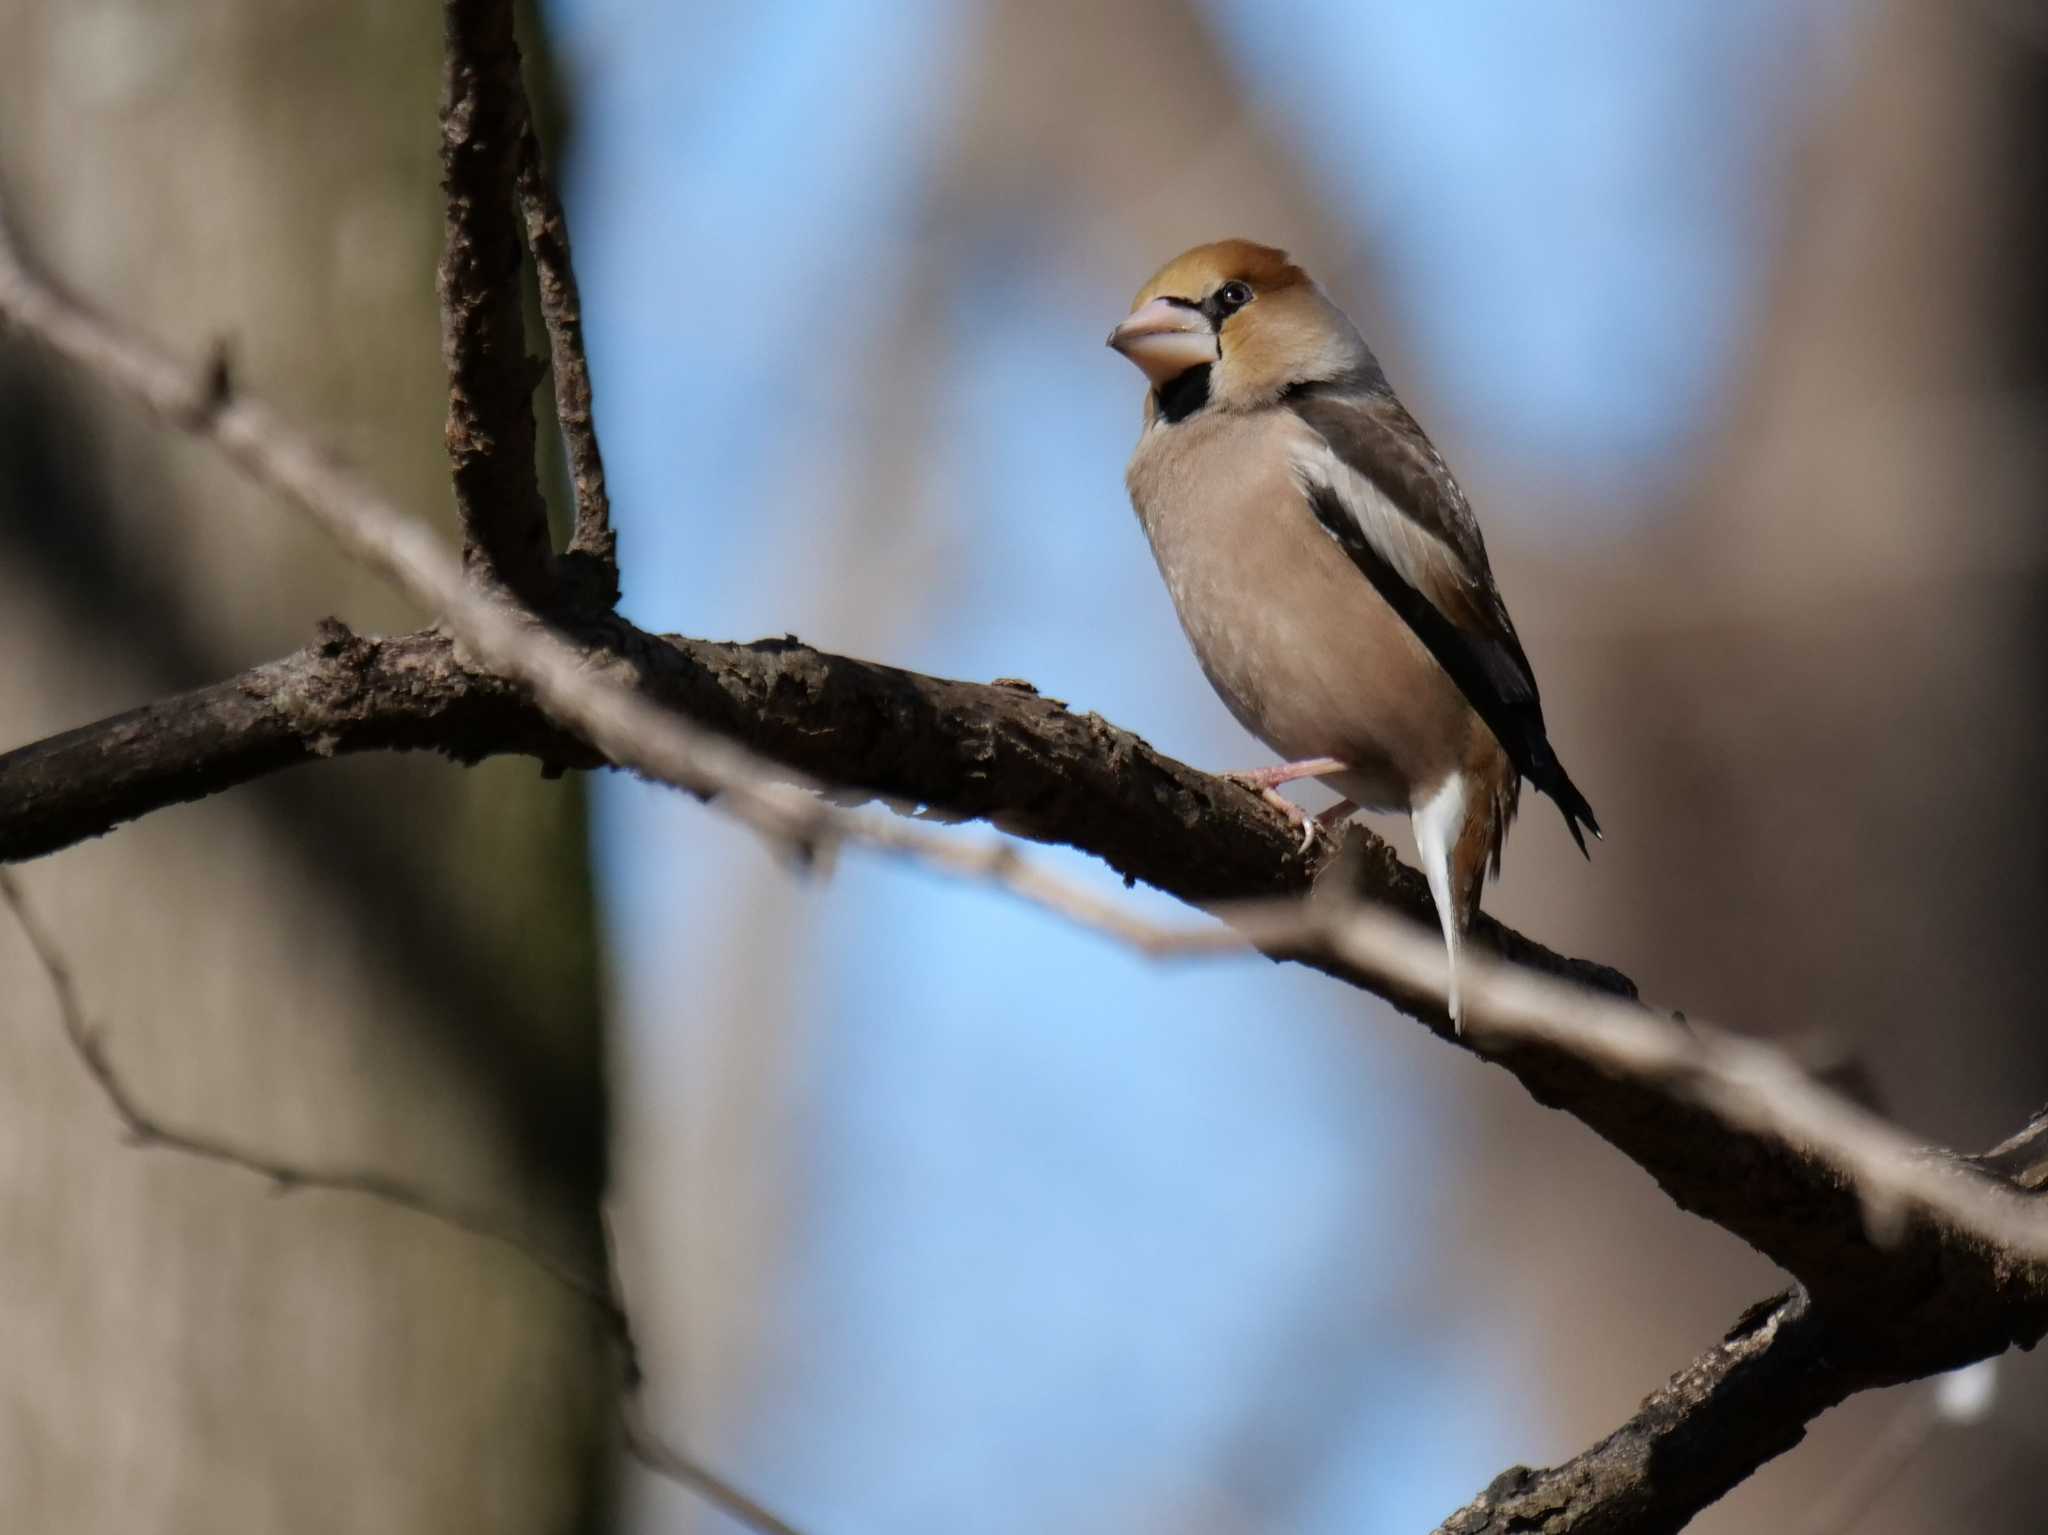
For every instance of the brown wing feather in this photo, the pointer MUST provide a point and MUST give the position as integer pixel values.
(1373, 435)
(1387, 496)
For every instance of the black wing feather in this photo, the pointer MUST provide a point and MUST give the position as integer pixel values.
(1376, 438)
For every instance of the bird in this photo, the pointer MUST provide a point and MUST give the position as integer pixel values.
(1329, 573)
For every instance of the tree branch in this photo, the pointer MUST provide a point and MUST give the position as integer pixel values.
(591, 562)
(1746, 1400)
(1916, 1261)
(483, 322)
(1019, 759)
(603, 1293)
(141, 1128)
(1742, 1403)
(1025, 762)
(342, 694)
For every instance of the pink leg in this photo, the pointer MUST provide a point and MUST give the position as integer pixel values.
(1286, 772)
(1264, 781)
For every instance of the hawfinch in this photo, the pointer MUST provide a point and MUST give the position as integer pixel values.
(1327, 569)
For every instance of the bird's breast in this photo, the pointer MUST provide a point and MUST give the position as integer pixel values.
(1295, 640)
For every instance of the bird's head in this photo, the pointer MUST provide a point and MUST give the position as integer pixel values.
(1233, 326)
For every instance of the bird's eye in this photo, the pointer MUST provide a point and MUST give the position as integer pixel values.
(1233, 295)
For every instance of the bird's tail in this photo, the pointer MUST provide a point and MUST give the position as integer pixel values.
(1549, 776)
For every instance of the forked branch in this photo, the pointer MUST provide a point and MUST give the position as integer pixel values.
(1910, 1260)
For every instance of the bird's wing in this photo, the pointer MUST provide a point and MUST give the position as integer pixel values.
(1381, 490)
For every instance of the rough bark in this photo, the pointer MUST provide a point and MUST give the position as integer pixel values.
(1870, 1313)
(1747, 1399)
(343, 694)
(590, 563)
(1032, 766)
(483, 320)
(1924, 1297)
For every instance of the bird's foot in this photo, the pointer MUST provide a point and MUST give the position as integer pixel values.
(1265, 783)
(1309, 825)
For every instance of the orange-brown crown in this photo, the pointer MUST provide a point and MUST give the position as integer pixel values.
(1193, 274)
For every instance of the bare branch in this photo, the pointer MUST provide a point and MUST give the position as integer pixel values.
(342, 694)
(645, 1444)
(141, 1128)
(602, 1293)
(662, 1458)
(1790, 1201)
(1907, 1192)
(483, 322)
(591, 562)
(967, 749)
(585, 686)
(1917, 1261)
(1741, 1403)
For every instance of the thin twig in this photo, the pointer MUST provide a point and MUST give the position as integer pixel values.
(655, 1453)
(143, 1129)
(567, 682)
(1745, 1085)
(1986, 1241)
(593, 546)
(1497, 995)
(604, 1293)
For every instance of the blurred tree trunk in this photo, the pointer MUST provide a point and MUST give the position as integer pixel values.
(382, 964)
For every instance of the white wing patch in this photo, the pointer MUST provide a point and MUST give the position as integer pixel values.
(1416, 555)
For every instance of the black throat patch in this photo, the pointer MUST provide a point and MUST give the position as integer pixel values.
(1185, 393)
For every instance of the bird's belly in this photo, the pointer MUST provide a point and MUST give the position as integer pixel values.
(1304, 652)
(1349, 684)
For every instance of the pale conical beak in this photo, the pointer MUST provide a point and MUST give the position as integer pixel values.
(1166, 339)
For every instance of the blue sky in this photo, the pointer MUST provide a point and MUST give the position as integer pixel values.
(1076, 1241)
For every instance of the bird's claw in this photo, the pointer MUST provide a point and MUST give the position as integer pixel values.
(1311, 829)
(1310, 826)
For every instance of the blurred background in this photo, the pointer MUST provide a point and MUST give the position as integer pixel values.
(1730, 320)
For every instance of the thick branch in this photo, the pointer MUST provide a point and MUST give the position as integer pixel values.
(1743, 1402)
(483, 323)
(1038, 769)
(343, 694)
(1933, 1300)
(1932, 1266)
(997, 751)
